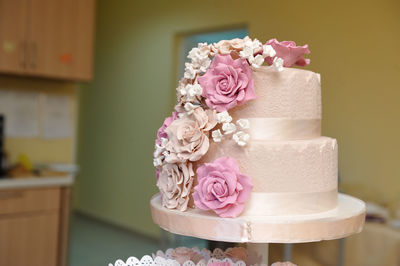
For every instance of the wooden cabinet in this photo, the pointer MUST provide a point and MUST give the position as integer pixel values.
(13, 34)
(33, 226)
(47, 38)
(29, 240)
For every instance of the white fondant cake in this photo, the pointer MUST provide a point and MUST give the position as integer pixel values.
(245, 138)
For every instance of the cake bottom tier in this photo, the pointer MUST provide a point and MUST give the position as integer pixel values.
(289, 177)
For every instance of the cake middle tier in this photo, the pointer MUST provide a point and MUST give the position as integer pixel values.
(289, 176)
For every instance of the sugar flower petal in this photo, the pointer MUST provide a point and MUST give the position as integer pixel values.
(289, 52)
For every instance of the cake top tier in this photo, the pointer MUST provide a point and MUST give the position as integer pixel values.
(291, 93)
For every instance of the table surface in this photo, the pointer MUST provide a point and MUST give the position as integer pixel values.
(32, 182)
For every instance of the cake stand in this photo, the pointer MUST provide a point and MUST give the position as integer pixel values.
(257, 231)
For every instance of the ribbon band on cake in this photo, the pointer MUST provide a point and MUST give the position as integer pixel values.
(290, 203)
(284, 128)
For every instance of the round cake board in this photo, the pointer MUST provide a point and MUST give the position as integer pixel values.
(346, 219)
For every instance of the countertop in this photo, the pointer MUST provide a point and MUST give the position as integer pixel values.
(32, 182)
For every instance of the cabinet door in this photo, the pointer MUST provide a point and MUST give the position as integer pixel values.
(13, 22)
(60, 35)
(29, 239)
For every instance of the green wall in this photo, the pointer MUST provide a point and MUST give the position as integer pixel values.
(354, 44)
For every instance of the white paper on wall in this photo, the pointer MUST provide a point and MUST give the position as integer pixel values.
(21, 112)
(56, 116)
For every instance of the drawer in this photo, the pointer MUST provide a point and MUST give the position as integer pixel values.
(29, 200)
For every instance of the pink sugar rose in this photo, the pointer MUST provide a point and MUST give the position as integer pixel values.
(221, 187)
(161, 131)
(289, 52)
(227, 83)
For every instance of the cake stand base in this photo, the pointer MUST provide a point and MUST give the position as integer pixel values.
(348, 218)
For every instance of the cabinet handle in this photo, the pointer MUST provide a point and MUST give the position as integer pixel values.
(22, 54)
(10, 194)
(33, 54)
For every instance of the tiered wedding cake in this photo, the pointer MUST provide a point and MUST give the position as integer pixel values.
(241, 158)
(245, 139)
(244, 144)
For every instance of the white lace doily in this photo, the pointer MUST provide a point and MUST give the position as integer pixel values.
(159, 261)
(204, 258)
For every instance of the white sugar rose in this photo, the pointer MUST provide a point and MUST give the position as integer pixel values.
(188, 136)
(230, 46)
(175, 183)
(206, 119)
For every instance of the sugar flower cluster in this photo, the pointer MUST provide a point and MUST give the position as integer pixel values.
(217, 78)
(238, 130)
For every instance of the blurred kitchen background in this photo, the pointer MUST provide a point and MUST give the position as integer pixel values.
(85, 84)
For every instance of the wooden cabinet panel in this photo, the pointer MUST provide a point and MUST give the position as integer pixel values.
(13, 26)
(47, 38)
(29, 240)
(60, 38)
(31, 200)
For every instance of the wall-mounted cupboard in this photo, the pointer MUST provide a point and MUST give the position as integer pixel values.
(47, 38)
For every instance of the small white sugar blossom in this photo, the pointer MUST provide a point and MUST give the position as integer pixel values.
(166, 153)
(164, 142)
(268, 50)
(246, 52)
(217, 135)
(160, 148)
(278, 63)
(224, 117)
(190, 71)
(241, 138)
(191, 91)
(228, 128)
(189, 107)
(195, 90)
(200, 57)
(250, 48)
(158, 161)
(256, 61)
(243, 123)
(158, 151)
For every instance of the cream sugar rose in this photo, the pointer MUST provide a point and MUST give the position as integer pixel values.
(245, 135)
